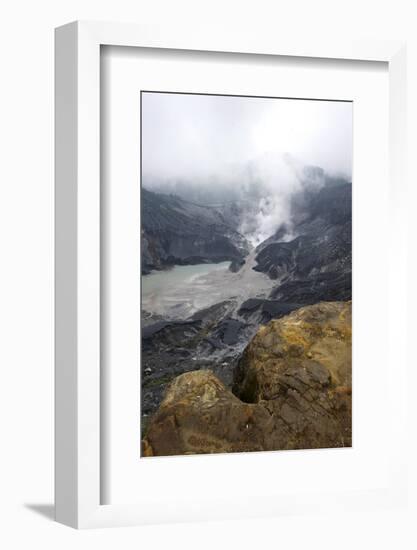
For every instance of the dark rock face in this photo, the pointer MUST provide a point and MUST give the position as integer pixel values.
(228, 331)
(317, 264)
(320, 287)
(210, 338)
(235, 265)
(292, 390)
(277, 259)
(265, 310)
(175, 231)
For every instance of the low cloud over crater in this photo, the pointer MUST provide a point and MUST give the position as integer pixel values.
(218, 149)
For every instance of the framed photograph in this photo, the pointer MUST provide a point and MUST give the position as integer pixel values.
(228, 326)
(246, 266)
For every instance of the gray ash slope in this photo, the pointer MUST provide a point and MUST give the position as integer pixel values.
(176, 231)
(314, 266)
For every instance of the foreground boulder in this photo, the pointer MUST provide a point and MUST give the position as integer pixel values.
(292, 390)
(199, 415)
(310, 349)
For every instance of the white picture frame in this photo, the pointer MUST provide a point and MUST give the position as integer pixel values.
(77, 242)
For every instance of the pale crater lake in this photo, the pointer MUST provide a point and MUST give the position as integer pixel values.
(179, 292)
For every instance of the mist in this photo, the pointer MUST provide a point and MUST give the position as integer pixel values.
(258, 151)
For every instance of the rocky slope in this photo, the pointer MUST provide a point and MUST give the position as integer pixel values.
(209, 339)
(314, 266)
(175, 231)
(292, 390)
(317, 264)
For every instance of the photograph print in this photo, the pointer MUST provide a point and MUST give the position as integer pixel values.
(246, 274)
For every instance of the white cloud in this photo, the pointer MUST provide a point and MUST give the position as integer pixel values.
(201, 136)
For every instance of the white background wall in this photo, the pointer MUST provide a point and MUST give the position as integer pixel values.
(26, 272)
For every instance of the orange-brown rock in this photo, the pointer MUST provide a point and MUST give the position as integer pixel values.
(292, 391)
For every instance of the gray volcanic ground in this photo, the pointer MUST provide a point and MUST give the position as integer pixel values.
(206, 289)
